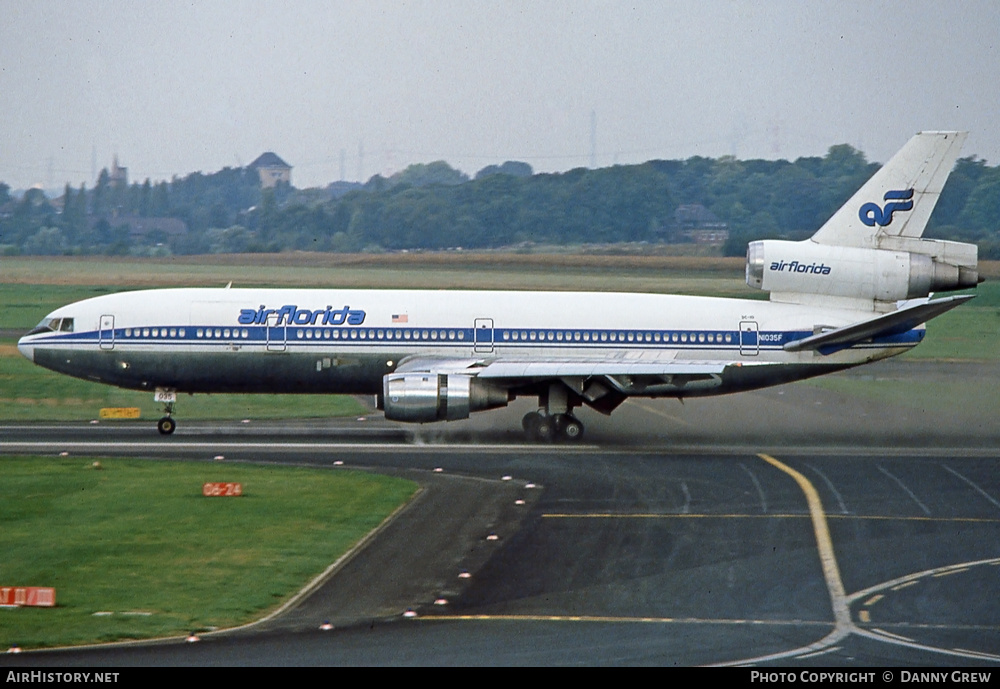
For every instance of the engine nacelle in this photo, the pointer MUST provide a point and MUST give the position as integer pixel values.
(422, 397)
(881, 274)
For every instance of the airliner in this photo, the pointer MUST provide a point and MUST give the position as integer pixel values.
(859, 290)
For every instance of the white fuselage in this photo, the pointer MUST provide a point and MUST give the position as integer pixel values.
(204, 340)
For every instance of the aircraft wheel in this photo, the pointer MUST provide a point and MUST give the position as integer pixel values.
(569, 427)
(537, 426)
(166, 425)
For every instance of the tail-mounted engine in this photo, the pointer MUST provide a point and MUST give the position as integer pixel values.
(422, 397)
(902, 268)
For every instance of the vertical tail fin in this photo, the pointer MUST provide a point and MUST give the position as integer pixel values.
(871, 254)
(897, 201)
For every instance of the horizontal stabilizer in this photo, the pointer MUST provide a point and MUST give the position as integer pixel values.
(888, 324)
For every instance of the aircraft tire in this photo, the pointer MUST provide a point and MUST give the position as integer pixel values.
(568, 427)
(166, 425)
(539, 427)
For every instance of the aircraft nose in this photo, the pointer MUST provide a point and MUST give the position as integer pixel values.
(27, 349)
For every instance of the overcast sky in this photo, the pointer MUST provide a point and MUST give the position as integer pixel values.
(368, 87)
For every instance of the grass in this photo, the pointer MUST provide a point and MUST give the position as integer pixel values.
(412, 271)
(967, 333)
(138, 540)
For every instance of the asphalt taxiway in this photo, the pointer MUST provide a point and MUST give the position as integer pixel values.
(789, 526)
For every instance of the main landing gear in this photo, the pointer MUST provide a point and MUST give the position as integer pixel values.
(554, 419)
(543, 427)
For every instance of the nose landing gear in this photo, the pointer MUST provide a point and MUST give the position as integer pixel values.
(166, 425)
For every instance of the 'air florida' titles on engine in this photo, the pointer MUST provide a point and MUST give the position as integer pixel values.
(291, 314)
(797, 267)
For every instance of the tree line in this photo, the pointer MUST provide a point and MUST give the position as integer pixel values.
(434, 206)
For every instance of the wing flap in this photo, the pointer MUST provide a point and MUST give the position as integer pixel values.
(505, 368)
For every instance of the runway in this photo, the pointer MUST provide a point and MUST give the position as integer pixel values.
(807, 538)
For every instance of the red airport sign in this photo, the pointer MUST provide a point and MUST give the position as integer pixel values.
(222, 490)
(33, 596)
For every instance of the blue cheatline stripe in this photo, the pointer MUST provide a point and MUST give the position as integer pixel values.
(455, 337)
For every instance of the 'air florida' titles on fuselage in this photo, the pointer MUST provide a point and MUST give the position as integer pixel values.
(291, 314)
(796, 267)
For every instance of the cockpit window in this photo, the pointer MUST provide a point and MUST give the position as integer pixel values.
(49, 325)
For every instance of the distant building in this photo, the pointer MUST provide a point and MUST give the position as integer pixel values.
(697, 224)
(272, 170)
(118, 177)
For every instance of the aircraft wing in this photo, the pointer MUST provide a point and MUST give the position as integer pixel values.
(506, 368)
(602, 383)
(893, 323)
(538, 368)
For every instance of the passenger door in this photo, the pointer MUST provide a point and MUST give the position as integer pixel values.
(106, 333)
(749, 340)
(483, 335)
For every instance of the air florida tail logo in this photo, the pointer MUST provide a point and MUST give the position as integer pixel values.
(899, 200)
(293, 315)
